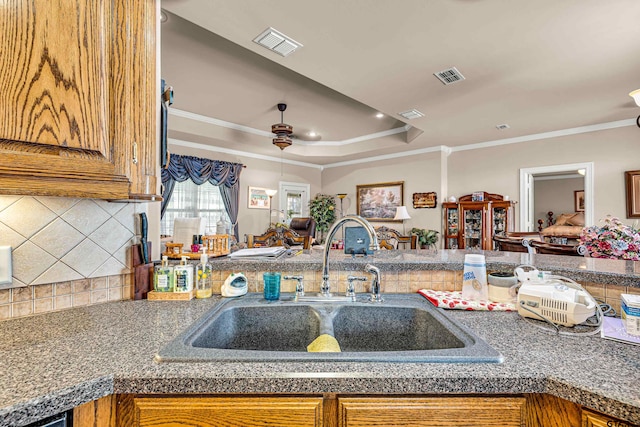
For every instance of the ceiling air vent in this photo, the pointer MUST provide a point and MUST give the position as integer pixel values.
(450, 75)
(277, 42)
(411, 114)
(502, 126)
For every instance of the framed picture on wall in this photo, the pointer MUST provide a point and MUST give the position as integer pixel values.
(258, 198)
(632, 180)
(378, 202)
(578, 200)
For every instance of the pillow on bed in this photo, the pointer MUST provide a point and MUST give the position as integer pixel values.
(576, 219)
(563, 219)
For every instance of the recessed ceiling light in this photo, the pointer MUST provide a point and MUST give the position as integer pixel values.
(312, 134)
(503, 126)
(379, 115)
(411, 114)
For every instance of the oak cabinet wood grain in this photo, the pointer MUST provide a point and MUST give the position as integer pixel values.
(256, 411)
(78, 112)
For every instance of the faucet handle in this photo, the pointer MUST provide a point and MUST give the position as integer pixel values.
(351, 290)
(299, 285)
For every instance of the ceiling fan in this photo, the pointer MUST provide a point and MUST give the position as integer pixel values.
(282, 130)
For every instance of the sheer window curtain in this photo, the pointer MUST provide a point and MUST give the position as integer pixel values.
(225, 175)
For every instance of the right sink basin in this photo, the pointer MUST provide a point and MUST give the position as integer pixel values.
(405, 328)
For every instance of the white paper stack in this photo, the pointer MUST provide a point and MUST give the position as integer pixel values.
(260, 253)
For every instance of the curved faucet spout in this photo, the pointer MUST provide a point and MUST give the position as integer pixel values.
(325, 286)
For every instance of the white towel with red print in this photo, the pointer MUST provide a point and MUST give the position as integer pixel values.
(453, 300)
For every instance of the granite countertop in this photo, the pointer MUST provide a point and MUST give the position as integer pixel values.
(624, 273)
(56, 361)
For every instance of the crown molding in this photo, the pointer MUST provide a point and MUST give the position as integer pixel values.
(443, 148)
(546, 135)
(247, 129)
(189, 144)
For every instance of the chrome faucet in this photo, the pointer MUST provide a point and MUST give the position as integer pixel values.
(325, 288)
(376, 296)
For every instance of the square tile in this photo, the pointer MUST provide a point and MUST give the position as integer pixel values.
(6, 201)
(85, 258)
(115, 294)
(62, 288)
(63, 301)
(111, 236)
(115, 281)
(85, 216)
(5, 311)
(98, 283)
(57, 238)
(30, 261)
(9, 237)
(5, 296)
(22, 294)
(58, 205)
(57, 273)
(99, 296)
(27, 216)
(81, 299)
(42, 291)
(83, 285)
(43, 305)
(19, 309)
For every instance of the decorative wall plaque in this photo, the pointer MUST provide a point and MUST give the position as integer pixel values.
(425, 200)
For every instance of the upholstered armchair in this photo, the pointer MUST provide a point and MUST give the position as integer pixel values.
(304, 226)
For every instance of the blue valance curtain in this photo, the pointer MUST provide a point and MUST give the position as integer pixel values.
(225, 175)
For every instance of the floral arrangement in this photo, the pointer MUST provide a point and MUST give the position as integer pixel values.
(614, 240)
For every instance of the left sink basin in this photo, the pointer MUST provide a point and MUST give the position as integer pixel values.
(405, 328)
(260, 328)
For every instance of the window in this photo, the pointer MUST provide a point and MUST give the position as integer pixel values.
(190, 200)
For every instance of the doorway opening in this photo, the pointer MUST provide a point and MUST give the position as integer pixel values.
(528, 220)
(294, 200)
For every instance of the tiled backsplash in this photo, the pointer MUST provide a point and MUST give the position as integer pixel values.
(56, 239)
(28, 300)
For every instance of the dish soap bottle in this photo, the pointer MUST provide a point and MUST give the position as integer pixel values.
(203, 278)
(184, 276)
(163, 278)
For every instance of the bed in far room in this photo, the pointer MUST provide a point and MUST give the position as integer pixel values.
(564, 229)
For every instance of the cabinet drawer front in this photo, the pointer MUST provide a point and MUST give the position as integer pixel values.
(431, 411)
(228, 412)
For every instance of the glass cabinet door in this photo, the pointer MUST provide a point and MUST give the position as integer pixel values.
(473, 227)
(452, 227)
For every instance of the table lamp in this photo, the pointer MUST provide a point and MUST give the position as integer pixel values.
(402, 214)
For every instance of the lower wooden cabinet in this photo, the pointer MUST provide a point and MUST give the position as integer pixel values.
(431, 411)
(596, 419)
(220, 411)
(330, 410)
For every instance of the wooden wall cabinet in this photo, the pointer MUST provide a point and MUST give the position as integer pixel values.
(79, 98)
(471, 224)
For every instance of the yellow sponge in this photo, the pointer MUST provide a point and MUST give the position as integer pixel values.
(324, 343)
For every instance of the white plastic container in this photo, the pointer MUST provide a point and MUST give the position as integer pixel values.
(474, 279)
(183, 275)
(631, 313)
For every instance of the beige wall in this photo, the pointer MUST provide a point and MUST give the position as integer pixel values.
(258, 173)
(496, 169)
(420, 174)
(555, 195)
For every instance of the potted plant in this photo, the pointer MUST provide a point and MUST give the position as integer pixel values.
(323, 209)
(426, 238)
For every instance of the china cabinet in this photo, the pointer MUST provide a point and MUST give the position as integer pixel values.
(79, 101)
(472, 222)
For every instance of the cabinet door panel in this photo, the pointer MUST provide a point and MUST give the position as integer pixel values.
(431, 411)
(228, 411)
(54, 71)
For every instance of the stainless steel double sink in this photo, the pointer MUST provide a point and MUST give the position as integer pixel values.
(405, 328)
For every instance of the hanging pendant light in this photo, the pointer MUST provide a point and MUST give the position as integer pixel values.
(282, 130)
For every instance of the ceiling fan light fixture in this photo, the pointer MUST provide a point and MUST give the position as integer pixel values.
(636, 96)
(282, 142)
